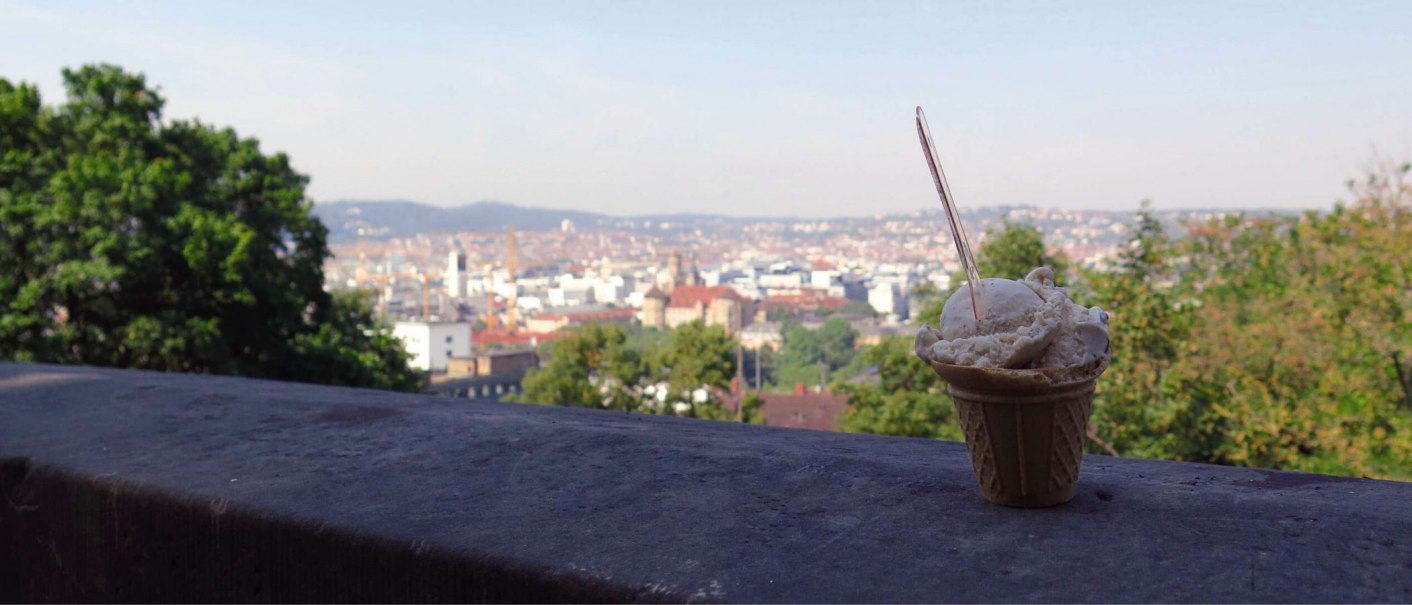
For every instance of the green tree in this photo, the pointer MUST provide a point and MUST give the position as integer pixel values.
(1147, 328)
(1266, 341)
(907, 399)
(698, 356)
(603, 365)
(807, 356)
(590, 367)
(1013, 251)
(750, 411)
(1010, 252)
(128, 241)
(930, 300)
(853, 308)
(353, 346)
(1292, 357)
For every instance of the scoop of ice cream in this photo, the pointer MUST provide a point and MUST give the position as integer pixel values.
(1030, 323)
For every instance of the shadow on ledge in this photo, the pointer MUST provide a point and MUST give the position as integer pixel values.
(138, 486)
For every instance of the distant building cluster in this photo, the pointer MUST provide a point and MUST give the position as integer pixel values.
(456, 298)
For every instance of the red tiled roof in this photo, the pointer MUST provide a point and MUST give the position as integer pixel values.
(808, 301)
(603, 315)
(816, 411)
(688, 296)
(655, 293)
(500, 336)
(820, 264)
(578, 317)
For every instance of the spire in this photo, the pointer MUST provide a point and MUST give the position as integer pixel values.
(693, 277)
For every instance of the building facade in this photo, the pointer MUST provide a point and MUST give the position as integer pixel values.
(714, 305)
(455, 276)
(432, 344)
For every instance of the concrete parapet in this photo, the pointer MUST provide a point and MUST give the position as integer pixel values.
(140, 486)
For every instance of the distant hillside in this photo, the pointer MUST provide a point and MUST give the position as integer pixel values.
(382, 219)
(348, 220)
(400, 218)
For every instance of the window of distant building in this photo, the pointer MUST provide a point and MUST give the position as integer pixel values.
(448, 353)
(448, 339)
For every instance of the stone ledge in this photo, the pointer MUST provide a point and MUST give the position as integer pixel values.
(125, 486)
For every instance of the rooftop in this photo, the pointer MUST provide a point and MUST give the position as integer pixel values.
(807, 410)
(503, 337)
(590, 316)
(689, 296)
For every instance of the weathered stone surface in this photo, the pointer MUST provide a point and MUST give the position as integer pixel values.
(127, 485)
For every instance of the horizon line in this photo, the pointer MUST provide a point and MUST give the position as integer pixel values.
(1258, 209)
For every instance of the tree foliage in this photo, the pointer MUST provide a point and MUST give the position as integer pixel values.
(128, 241)
(1147, 326)
(1013, 251)
(1277, 342)
(1010, 252)
(698, 357)
(807, 356)
(907, 400)
(686, 372)
(590, 367)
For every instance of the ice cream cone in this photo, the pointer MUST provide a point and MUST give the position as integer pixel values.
(1024, 428)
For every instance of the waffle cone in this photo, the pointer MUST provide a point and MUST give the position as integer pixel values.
(1024, 428)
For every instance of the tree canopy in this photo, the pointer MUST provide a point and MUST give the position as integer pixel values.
(898, 394)
(1013, 250)
(130, 241)
(807, 356)
(907, 398)
(1269, 341)
(1009, 252)
(590, 367)
(686, 372)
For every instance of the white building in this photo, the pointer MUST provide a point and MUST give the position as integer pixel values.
(783, 281)
(612, 290)
(455, 277)
(570, 296)
(825, 279)
(431, 344)
(887, 299)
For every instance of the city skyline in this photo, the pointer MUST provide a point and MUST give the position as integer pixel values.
(859, 213)
(789, 109)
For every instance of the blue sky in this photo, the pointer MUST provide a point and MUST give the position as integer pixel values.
(750, 108)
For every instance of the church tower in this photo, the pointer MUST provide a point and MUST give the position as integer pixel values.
(693, 277)
(455, 277)
(674, 273)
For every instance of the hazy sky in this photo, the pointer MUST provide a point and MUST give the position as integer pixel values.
(757, 108)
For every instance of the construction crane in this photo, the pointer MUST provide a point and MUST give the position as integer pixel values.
(491, 319)
(510, 317)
